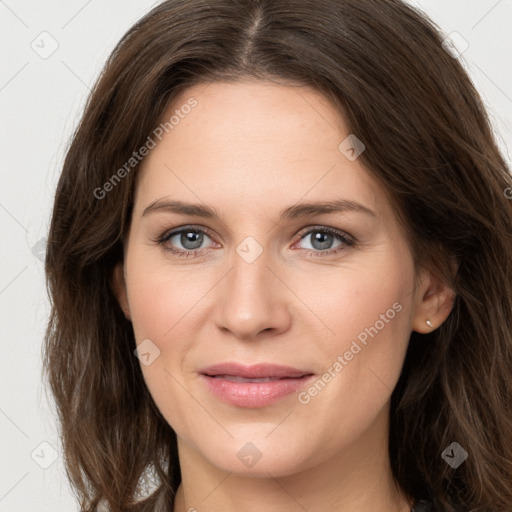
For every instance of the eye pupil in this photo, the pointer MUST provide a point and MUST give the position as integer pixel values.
(325, 240)
(191, 237)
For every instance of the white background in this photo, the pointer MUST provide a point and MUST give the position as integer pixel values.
(41, 101)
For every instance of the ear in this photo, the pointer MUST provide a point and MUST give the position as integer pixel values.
(118, 285)
(434, 302)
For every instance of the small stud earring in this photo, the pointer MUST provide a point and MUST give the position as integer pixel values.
(429, 323)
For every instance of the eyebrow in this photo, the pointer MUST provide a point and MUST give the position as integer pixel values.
(291, 212)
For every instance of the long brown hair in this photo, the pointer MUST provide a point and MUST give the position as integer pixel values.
(429, 142)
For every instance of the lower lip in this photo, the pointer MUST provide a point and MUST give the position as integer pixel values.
(254, 394)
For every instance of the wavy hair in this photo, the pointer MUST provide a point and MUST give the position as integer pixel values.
(429, 142)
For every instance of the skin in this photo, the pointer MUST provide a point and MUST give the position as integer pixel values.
(250, 149)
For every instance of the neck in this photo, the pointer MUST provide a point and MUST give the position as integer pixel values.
(356, 479)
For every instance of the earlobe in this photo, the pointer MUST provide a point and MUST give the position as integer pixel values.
(434, 303)
(118, 285)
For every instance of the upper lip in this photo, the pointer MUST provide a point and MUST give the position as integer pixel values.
(255, 371)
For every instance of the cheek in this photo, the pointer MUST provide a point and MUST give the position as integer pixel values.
(376, 295)
(367, 311)
(162, 310)
(167, 307)
(161, 299)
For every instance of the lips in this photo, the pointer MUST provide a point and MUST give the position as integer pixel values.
(256, 372)
(253, 386)
(236, 378)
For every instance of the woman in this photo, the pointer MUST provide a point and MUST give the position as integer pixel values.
(280, 268)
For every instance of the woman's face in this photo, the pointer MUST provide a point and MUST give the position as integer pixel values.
(271, 280)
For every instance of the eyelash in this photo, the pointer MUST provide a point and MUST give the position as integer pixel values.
(347, 241)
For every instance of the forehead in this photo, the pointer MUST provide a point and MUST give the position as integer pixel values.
(243, 114)
(263, 142)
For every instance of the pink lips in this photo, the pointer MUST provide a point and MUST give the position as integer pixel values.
(253, 386)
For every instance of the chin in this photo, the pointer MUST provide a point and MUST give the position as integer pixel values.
(257, 458)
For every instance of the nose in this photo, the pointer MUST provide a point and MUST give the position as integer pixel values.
(253, 299)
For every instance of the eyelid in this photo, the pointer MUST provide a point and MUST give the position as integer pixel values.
(190, 227)
(321, 227)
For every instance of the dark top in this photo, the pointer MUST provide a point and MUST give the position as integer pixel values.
(422, 506)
